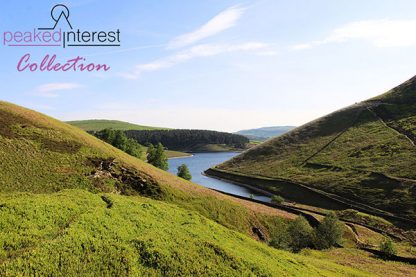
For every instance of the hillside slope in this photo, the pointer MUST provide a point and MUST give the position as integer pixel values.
(73, 205)
(41, 155)
(76, 233)
(265, 132)
(363, 154)
(100, 124)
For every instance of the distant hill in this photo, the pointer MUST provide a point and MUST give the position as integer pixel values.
(190, 140)
(100, 124)
(363, 155)
(264, 133)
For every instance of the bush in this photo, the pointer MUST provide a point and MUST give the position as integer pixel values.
(297, 236)
(329, 232)
(301, 234)
(157, 157)
(388, 248)
(183, 172)
(281, 240)
(277, 199)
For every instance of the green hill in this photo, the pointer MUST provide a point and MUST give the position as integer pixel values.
(74, 233)
(363, 155)
(100, 124)
(265, 133)
(72, 205)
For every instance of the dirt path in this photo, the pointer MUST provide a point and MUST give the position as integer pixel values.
(396, 130)
(336, 136)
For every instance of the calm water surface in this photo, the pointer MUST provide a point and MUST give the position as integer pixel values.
(200, 162)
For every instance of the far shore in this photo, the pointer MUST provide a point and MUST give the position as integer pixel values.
(179, 157)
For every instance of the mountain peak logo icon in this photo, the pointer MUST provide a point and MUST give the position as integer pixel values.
(59, 12)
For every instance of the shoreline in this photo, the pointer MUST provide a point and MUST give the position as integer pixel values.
(180, 157)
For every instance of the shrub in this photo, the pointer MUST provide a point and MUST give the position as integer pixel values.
(281, 240)
(277, 199)
(329, 232)
(387, 247)
(157, 157)
(301, 234)
(296, 236)
(183, 172)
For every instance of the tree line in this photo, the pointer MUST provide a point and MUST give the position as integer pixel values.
(155, 154)
(185, 139)
(119, 140)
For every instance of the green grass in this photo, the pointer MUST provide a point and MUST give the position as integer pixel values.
(351, 153)
(64, 211)
(100, 124)
(42, 155)
(73, 233)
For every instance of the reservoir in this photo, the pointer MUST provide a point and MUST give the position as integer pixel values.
(200, 162)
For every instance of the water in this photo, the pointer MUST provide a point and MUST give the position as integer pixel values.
(200, 162)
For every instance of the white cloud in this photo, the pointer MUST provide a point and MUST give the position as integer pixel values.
(268, 53)
(221, 22)
(380, 33)
(50, 89)
(202, 50)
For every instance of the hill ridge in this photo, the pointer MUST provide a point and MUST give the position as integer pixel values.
(364, 152)
(100, 124)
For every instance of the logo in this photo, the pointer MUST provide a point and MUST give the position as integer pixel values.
(62, 34)
(64, 12)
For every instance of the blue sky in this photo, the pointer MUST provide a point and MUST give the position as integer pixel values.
(215, 64)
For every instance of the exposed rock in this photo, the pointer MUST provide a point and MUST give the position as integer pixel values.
(258, 233)
(127, 181)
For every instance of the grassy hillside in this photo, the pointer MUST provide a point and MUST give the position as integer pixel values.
(72, 204)
(364, 153)
(100, 124)
(76, 233)
(264, 133)
(42, 155)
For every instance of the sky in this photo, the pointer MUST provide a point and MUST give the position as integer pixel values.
(214, 64)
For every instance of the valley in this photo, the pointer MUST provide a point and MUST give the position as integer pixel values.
(208, 138)
(48, 165)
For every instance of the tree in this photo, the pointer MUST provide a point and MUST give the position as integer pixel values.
(186, 139)
(329, 232)
(134, 149)
(388, 248)
(295, 236)
(183, 172)
(281, 240)
(107, 135)
(119, 140)
(151, 153)
(157, 157)
(301, 234)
